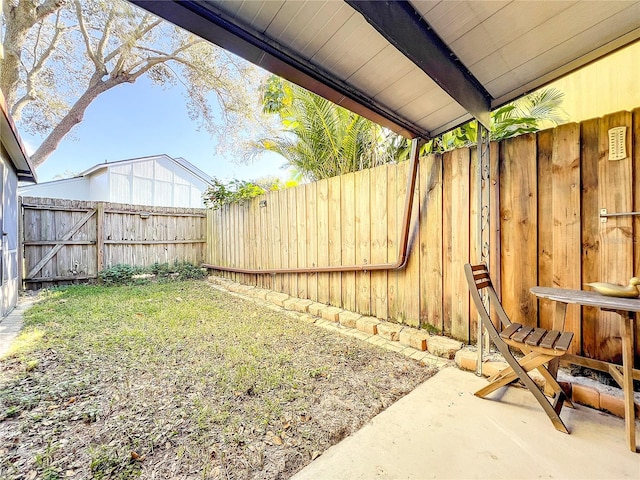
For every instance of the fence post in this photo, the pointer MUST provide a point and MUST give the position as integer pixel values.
(100, 236)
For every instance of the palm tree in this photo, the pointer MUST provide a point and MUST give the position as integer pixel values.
(320, 139)
(525, 115)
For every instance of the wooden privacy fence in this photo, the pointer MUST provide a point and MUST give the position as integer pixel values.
(69, 240)
(547, 192)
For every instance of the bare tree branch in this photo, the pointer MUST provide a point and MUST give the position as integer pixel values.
(87, 40)
(161, 53)
(141, 32)
(34, 72)
(161, 58)
(105, 35)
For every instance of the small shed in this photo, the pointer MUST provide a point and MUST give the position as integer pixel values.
(158, 180)
(14, 167)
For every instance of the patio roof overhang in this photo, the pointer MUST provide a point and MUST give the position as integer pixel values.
(420, 68)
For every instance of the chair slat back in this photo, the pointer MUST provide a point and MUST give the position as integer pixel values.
(478, 279)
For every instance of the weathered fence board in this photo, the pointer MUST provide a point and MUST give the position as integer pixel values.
(616, 235)
(590, 221)
(545, 223)
(379, 253)
(470, 320)
(448, 223)
(323, 239)
(565, 180)
(636, 208)
(518, 209)
(347, 204)
(546, 193)
(457, 288)
(431, 241)
(335, 240)
(363, 241)
(311, 220)
(301, 234)
(69, 240)
(394, 216)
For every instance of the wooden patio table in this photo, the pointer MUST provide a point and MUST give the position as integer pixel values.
(626, 308)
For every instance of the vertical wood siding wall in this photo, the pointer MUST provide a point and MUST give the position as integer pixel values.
(547, 190)
(89, 236)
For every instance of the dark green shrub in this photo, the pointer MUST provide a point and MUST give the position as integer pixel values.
(159, 269)
(119, 274)
(186, 270)
(122, 274)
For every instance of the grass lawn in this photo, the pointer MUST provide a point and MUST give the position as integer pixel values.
(178, 380)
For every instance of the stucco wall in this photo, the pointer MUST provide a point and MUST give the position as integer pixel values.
(608, 85)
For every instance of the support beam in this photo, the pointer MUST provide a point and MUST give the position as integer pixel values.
(405, 29)
(484, 231)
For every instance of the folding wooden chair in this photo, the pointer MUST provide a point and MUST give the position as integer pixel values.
(538, 345)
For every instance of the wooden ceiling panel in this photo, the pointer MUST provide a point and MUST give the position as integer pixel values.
(453, 19)
(403, 91)
(507, 25)
(521, 58)
(290, 19)
(521, 75)
(325, 22)
(447, 116)
(435, 99)
(386, 68)
(351, 47)
(257, 14)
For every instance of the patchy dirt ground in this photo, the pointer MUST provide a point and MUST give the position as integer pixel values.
(181, 381)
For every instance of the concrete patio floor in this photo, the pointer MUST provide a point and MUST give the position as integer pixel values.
(441, 430)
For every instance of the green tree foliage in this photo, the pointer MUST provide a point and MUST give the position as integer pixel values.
(60, 55)
(320, 139)
(525, 115)
(220, 193)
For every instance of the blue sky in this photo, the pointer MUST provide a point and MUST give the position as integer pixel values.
(139, 120)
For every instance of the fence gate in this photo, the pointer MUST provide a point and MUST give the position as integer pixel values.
(65, 241)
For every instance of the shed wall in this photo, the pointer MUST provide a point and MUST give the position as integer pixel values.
(78, 188)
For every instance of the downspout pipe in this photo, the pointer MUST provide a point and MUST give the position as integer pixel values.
(403, 256)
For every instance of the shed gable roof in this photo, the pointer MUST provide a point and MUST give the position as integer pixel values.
(179, 161)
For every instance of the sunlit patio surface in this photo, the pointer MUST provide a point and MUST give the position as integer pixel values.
(441, 430)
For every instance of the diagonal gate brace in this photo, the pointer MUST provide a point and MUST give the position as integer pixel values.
(59, 246)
